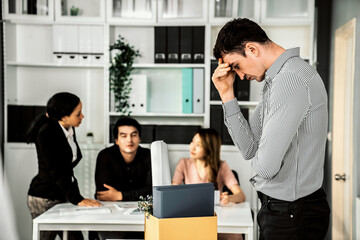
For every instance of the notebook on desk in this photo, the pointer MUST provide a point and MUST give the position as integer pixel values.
(191, 200)
(128, 208)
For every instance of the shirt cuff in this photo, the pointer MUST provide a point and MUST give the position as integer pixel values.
(126, 195)
(231, 107)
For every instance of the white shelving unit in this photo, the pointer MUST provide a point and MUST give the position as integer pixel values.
(32, 75)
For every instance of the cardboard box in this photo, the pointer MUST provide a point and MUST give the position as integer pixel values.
(189, 228)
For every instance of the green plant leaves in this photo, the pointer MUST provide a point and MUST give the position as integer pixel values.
(119, 73)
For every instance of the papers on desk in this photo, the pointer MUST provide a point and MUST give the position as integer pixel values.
(84, 210)
(128, 208)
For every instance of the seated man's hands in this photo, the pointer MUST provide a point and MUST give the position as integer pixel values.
(109, 195)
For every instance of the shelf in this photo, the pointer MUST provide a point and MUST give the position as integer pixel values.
(82, 145)
(23, 19)
(168, 65)
(156, 115)
(56, 65)
(241, 103)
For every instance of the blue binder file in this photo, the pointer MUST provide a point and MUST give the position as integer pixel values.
(187, 90)
(191, 200)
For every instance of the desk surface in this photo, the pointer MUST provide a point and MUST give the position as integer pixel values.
(232, 218)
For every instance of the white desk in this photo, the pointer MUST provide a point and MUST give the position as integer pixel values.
(232, 218)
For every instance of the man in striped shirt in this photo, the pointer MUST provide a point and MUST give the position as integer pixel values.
(286, 135)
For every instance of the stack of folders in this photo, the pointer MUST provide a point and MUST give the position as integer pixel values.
(137, 97)
(191, 200)
(183, 44)
(192, 90)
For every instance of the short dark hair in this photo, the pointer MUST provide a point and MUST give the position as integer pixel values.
(125, 121)
(235, 34)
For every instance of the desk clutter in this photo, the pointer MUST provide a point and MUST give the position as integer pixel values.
(182, 212)
(84, 210)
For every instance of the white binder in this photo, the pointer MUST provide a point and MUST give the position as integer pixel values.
(84, 43)
(71, 39)
(198, 90)
(138, 94)
(71, 44)
(59, 43)
(97, 44)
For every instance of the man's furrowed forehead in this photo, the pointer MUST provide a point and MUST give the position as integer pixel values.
(127, 130)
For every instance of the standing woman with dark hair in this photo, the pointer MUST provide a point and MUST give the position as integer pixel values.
(58, 153)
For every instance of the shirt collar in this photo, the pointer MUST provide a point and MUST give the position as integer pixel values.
(68, 133)
(279, 62)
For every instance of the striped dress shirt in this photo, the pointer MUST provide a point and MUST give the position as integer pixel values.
(286, 135)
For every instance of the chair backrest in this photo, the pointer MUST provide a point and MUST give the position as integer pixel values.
(225, 188)
(160, 167)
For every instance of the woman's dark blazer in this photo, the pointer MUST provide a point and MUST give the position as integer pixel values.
(55, 179)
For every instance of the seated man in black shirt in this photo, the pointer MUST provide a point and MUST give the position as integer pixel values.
(123, 171)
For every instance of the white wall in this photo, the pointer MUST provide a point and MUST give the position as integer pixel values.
(20, 167)
(7, 220)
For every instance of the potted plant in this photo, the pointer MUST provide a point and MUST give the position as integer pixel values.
(146, 204)
(74, 11)
(119, 73)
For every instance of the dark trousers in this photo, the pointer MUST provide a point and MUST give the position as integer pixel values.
(306, 218)
(38, 206)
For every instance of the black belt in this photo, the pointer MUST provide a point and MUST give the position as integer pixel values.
(315, 195)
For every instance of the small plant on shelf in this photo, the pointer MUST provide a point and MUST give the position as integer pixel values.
(146, 205)
(74, 11)
(123, 56)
